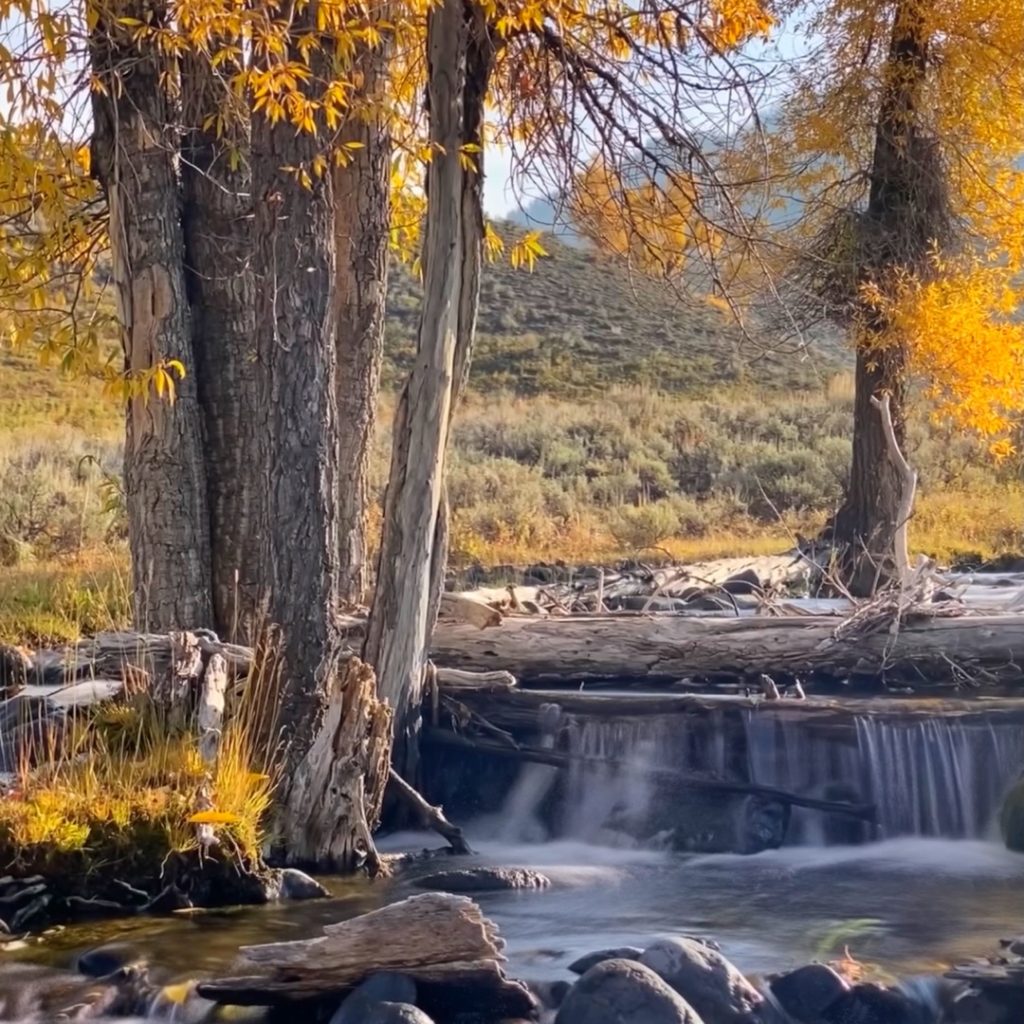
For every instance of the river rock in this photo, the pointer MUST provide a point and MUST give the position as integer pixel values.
(394, 1013)
(746, 582)
(705, 979)
(483, 880)
(807, 991)
(15, 666)
(624, 992)
(550, 994)
(104, 961)
(588, 960)
(873, 1004)
(384, 987)
(297, 885)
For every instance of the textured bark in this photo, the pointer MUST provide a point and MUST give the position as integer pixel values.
(294, 267)
(899, 228)
(443, 942)
(399, 620)
(363, 219)
(664, 649)
(869, 517)
(133, 157)
(216, 216)
(479, 62)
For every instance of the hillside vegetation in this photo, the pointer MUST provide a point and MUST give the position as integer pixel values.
(581, 322)
(597, 427)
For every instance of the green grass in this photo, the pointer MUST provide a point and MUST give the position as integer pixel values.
(580, 323)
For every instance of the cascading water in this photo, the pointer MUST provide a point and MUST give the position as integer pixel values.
(938, 776)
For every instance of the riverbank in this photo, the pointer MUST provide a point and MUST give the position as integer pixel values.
(870, 910)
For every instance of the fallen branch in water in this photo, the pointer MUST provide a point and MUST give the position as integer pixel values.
(432, 817)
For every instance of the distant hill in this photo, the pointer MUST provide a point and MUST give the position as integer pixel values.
(581, 321)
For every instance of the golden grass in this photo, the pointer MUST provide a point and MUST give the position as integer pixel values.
(119, 791)
(55, 602)
(49, 603)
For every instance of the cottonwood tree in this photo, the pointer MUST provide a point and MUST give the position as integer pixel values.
(900, 138)
(225, 275)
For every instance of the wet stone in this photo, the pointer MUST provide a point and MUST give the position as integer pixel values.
(705, 979)
(388, 987)
(483, 880)
(104, 961)
(873, 1004)
(624, 992)
(297, 885)
(807, 991)
(584, 963)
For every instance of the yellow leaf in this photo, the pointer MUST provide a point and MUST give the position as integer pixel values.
(214, 818)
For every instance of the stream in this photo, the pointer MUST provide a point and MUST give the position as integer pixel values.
(934, 887)
(906, 906)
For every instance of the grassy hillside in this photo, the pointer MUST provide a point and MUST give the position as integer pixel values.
(581, 322)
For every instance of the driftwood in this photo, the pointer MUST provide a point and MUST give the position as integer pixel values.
(563, 759)
(209, 722)
(908, 479)
(442, 941)
(668, 648)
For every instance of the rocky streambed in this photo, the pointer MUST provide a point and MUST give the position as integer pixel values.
(890, 933)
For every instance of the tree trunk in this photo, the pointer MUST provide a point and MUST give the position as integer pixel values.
(218, 243)
(399, 620)
(133, 157)
(898, 231)
(362, 224)
(479, 61)
(294, 268)
(869, 517)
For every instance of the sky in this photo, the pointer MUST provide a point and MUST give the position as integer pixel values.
(500, 199)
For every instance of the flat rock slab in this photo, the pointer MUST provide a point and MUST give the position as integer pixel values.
(483, 880)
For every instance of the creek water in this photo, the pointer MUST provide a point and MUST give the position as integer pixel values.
(934, 887)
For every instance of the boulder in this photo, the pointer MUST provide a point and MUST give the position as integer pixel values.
(873, 1004)
(705, 979)
(806, 992)
(624, 992)
(746, 582)
(385, 988)
(483, 880)
(103, 961)
(588, 960)
(394, 1013)
(297, 885)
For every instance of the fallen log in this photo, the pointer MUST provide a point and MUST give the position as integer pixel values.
(667, 648)
(564, 759)
(440, 940)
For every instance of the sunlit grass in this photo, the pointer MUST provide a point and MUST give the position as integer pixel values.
(49, 603)
(117, 792)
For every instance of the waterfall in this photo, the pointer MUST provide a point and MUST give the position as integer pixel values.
(936, 775)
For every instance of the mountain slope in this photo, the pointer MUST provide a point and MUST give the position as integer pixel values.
(580, 321)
